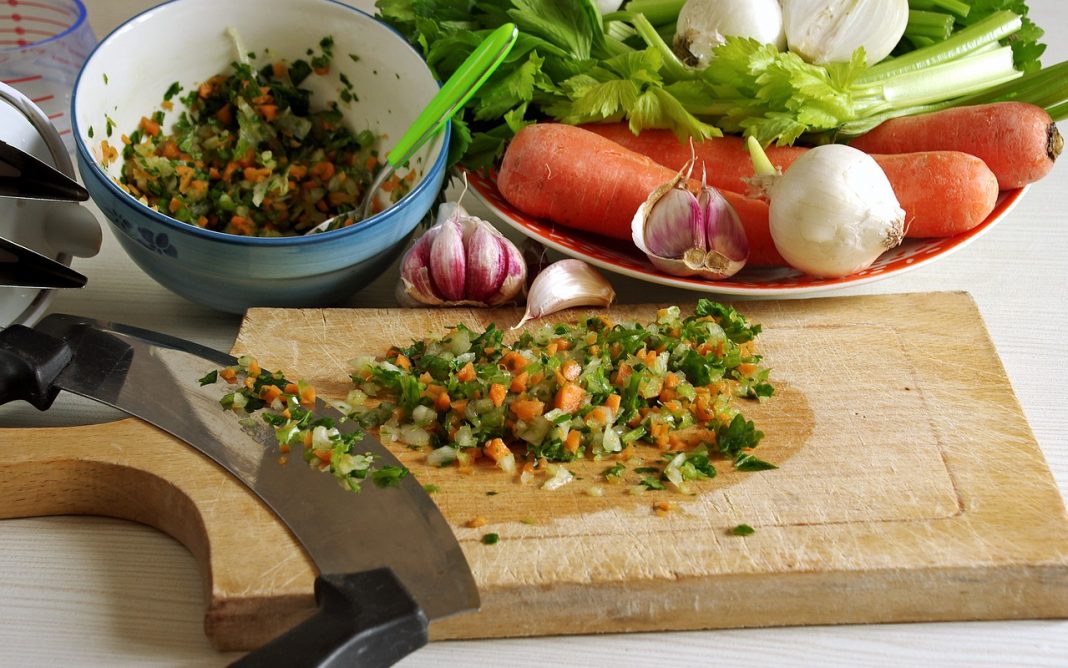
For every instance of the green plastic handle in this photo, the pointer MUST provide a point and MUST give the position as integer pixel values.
(463, 83)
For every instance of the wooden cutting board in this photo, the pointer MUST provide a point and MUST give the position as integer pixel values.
(909, 488)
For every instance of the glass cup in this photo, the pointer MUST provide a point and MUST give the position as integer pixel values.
(43, 44)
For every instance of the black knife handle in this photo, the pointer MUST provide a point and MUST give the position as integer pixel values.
(29, 362)
(364, 619)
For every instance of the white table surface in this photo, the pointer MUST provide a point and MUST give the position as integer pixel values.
(103, 592)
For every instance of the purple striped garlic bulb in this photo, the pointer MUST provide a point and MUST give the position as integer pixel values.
(461, 260)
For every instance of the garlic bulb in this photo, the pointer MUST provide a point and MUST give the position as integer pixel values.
(833, 212)
(461, 260)
(705, 24)
(829, 31)
(565, 284)
(687, 235)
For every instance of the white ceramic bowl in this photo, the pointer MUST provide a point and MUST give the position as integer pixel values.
(185, 41)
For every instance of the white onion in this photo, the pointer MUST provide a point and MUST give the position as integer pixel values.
(829, 31)
(833, 212)
(705, 24)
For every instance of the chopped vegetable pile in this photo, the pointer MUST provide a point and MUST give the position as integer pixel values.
(566, 391)
(562, 392)
(250, 156)
(288, 407)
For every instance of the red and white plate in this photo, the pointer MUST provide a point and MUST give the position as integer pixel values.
(623, 258)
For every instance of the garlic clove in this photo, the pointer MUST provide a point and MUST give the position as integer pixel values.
(416, 286)
(448, 261)
(515, 277)
(487, 263)
(665, 231)
(563, 285)
(829, 31)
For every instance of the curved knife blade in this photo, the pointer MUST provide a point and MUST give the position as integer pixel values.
(401, 528)
(388, 562)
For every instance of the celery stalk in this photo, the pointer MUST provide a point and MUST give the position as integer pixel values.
(934, 25)
(955, 7)
(994, 27)
(674, 69)
(657, 12)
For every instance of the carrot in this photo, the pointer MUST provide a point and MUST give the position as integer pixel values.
(527, 409)
(942, 192)
(496, 449)
(572, 441)
(569, 397)
(575, 178)
(581, 180)
(726, 159)
(497, 394)
(1018, 141)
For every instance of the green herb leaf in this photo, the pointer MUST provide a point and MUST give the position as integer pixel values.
(743, 530)
(490, 539)
(209, 378)
(747, 462)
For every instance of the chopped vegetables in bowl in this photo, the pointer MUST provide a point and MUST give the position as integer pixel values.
(210, 166)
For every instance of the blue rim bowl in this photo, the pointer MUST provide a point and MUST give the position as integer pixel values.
(125, 78)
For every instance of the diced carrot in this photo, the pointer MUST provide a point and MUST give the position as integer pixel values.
(458, 405)
(307, 396)
(599, 415)
(572, 441)
(442, 402)
(292, 388)
(497, 394)
(671, 380)
(322, 170)
(270, 392)
(527, 409)
(571, 369)
(255, 175)
(569, 397)
(267, 111)
(174, 204)
(149, 126)
(225, 114)
(612, 401)
(324, 455)
(229, 375)
(495, 449)
(467, 373)
(228, 171)
(278, 69)
(519, 382)
(403, 362)
(513, 361)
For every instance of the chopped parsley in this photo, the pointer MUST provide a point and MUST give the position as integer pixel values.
(743, 530)
(490, 539)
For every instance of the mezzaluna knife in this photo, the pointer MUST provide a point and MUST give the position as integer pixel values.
(388, 562)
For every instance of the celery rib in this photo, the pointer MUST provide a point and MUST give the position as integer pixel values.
(991, 29)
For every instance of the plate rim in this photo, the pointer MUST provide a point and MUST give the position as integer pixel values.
(485, 189)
